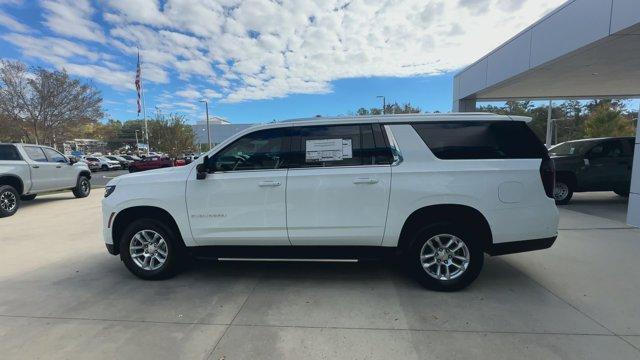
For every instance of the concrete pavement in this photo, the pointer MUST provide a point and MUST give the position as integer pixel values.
(101, 178)
(62, 296)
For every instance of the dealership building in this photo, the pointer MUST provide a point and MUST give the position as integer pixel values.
(584, 49)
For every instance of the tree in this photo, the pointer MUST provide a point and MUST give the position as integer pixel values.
(171, 135)
(46, 105)
(390, 109)
(606, 119)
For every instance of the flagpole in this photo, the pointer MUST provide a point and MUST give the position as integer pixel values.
(144, 111)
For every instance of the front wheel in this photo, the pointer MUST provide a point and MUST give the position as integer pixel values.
(562, 193)
(445, 257)
(83, 187)
(148, 249)
(9, 200)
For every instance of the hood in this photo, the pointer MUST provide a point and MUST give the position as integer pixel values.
(159, 175)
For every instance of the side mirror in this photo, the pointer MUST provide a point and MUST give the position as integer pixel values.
(72, 161)
(202, 169)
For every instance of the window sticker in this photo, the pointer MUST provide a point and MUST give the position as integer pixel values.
(328, 150)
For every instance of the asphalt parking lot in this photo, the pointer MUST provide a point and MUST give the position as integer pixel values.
(62, 296)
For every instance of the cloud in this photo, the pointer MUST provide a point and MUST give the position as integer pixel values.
(12, 24)
(237, 50)
(72, 18)
(51, 49)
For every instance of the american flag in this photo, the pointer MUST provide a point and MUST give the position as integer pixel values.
(138, 83)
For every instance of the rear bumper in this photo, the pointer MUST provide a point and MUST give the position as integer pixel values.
(521, 246)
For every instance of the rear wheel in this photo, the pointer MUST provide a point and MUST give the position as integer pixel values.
(83, 187)
(445, 257)
(562, 192)
(104, 168)
(28, 197)
(9, 200)
(148, 249)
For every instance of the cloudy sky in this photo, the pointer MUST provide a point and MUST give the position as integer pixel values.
(258, 60)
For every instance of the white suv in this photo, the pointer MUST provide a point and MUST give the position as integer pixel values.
(437, 190)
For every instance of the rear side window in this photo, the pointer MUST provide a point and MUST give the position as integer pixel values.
(9, 152)
(339, 145)
(35, 153)
(481, 140)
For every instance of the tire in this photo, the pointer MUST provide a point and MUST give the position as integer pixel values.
(83, 187)
(132, 170)
(622, 193)
(562, 193)
(425, 249)
(104, 168)
(28, 197)
(133, 236)
(9, 201)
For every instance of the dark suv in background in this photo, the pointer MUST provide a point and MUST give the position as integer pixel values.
(602, 164)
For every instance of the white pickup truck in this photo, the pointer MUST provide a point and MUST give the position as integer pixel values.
(27, 170)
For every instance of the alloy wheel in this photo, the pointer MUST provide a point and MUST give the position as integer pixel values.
(148, 250)
(445, 257)
(8, 201)
(84, 186)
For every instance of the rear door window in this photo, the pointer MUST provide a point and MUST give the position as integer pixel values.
(9, 152)
(339, 145)
(458, 140)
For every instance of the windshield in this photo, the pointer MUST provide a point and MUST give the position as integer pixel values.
(571, 148)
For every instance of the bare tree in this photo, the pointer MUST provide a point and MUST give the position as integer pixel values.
(46, 104)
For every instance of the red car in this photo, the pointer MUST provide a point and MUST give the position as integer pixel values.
(150, 163)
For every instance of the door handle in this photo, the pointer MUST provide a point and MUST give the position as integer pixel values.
(365, 181)
(35, 166)
(269, 183)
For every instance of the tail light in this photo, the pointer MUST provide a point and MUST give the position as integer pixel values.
(548, 175)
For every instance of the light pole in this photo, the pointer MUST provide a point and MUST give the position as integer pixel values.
(137, 143)
(384, 103)
(206, 107)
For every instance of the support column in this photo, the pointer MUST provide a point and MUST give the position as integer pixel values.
(464, 105)
(549, 126)
(633, 212)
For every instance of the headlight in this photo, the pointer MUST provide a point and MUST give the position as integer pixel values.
(108, 190)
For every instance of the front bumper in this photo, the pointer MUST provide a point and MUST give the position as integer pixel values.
(112, 249)
(514, 247)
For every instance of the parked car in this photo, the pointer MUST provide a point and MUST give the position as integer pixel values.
(463, 185)
(131, 157)
(602, 164)
(124, 163)
(108, 164)
(92, 163)
(150, 163)
(28, 170)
